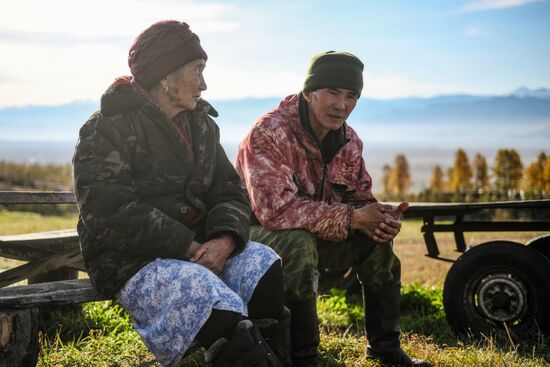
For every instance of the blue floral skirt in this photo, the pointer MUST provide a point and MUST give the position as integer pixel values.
(170, 300)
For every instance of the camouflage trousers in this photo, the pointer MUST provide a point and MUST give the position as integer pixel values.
(303, 255)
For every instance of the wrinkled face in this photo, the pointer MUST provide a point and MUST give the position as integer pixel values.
(329, 108)
(186, 84)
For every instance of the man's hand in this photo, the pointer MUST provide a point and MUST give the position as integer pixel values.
(214, 253)
(399, 210)
(378, 221)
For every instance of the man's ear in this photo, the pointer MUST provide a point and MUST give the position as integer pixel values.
(307, 96)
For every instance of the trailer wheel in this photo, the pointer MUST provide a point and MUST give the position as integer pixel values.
(541, 244)
(496, 286)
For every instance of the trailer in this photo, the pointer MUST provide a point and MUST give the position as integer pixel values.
(497, 285)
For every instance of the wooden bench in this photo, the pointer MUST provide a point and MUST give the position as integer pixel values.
(53, 260)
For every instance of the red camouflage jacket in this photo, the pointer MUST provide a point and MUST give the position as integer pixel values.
(288, 183)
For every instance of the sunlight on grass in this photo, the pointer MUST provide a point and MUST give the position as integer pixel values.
(12, 223)
(102, 335)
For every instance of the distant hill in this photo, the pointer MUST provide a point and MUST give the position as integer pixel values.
(427, 130)
(524, 113)
(521, 119)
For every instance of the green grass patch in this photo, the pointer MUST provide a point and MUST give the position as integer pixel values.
(15, 222)
(101, 334)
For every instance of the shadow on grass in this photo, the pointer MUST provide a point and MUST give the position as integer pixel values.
(69, 323)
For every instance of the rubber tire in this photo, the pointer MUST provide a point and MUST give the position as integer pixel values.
(541, 244)
(526, 266)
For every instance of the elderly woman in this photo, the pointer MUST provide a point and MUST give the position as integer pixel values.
(163, 220)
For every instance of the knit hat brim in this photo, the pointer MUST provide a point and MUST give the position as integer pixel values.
(168, 63)
(161, 49)
(335, 70)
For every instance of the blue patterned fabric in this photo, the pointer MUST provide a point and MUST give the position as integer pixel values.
(170, 300)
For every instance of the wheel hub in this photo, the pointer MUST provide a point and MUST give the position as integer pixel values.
(501, 297)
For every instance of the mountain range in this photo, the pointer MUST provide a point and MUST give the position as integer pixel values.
(427, 130)
(524, 109)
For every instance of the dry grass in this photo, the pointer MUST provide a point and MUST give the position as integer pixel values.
(12, 223)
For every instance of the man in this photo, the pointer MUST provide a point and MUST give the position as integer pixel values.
(303, 168)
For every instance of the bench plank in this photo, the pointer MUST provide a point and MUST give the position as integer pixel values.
(37, 197)
(57, 293)
(37, 267)
(67, 237)
(28, 253)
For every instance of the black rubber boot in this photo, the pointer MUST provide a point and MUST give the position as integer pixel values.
(277, 335)
(382, 315)
(304, 333)
(246, 348)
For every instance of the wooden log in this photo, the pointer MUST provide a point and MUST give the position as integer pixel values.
(64, 241)
(56, 293)
(19, 341)
(28, 253)
(6, 329)
(67, 237)
(37, 197)
(22, 252)
(36, 267)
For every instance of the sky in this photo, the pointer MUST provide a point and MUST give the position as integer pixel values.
(55, 52)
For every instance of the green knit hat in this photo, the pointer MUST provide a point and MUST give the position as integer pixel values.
(333, 69)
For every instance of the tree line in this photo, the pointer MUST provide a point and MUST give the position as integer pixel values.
(507, 179)
(35, 176)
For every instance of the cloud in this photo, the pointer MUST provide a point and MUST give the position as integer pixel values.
(496, 4)
(57, 50)
(106, 21)
(7, 80)
(58, 39)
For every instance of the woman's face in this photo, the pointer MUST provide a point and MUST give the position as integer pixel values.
(186, 84)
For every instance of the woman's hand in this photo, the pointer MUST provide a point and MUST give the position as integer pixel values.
(193, 247)
(214, 253)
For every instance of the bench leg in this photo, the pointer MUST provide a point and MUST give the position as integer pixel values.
(19, 337)
(52, 276)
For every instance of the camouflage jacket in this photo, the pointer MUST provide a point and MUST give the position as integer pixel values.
(289, 184)
(142, 195)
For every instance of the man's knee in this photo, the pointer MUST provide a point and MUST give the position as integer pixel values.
(290, 244)
(382, 267)
(298, 251)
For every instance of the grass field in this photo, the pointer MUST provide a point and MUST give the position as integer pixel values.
(101, 334)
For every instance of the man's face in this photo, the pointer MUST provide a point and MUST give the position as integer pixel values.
(186, 84)
(329, 108)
